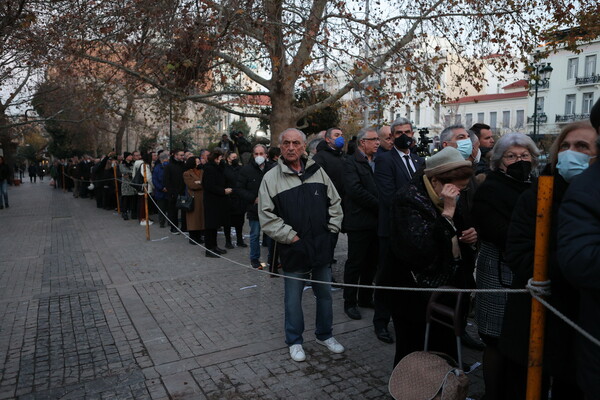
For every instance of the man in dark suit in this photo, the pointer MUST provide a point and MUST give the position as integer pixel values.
(393, 170)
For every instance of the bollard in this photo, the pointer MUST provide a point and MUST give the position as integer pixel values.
(146, 202)
(117, 189)
(540, 274)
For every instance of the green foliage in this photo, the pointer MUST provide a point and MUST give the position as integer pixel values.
(240, 125)
(320, 120)
(148, 142)
(184, 140)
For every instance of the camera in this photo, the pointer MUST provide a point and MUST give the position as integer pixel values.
(422, 148)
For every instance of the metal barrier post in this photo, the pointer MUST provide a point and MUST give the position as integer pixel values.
(540, 274)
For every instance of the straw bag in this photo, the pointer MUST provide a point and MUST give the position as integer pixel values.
(428, 376)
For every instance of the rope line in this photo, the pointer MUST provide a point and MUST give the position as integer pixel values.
(535, 288)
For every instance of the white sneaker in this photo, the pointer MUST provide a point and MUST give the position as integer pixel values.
(333, 345)
(297, 352)
(143, 223)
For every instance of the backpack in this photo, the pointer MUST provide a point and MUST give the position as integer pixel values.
(138, 179)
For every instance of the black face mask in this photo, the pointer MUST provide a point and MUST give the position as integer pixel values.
(403, 142)
(235, 162)
(519, 171)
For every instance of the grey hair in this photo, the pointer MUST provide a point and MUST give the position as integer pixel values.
(509, 140)
(447, 133)
(290, 130)
(163, 156)
(400, 121)
(380, 130)
(361, 134)
(260, 145)
(312, 146)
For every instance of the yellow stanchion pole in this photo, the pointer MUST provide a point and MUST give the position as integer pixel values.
(146, 202)
(117, 189)
(540, 274)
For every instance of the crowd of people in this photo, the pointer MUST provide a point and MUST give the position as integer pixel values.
(464, 217)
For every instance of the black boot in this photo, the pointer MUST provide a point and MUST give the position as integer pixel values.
(211, 254)
(228, 244)
(240, 241)
(125, 215)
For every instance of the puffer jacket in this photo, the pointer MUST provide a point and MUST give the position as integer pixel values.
(305, 204)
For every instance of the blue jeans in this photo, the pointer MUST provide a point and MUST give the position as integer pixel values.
(254, 239)
(294, 317)
(4, 192)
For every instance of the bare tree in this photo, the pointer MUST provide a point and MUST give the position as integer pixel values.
(221, 52)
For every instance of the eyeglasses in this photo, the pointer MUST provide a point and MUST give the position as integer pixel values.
(514, 157)
(402, 132)
(372, 138)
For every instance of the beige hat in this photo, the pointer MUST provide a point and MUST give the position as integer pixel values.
(445, 160)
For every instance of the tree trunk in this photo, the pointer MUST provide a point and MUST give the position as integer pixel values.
(283, 115)
(123, 125)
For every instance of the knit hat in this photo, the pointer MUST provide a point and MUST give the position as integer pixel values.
(126, 154)
(595, 116)
(445, 160)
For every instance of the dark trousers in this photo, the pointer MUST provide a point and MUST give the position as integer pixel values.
(408, 313)
(361, 266)
(381, 317)
(237, 221)
(174, 213)
(163, 205)
(210, 238)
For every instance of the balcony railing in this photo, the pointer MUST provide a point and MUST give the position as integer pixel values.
(542, 118)
(571, 117)
(587, 80)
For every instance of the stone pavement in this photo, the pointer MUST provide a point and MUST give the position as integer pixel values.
(90, 309)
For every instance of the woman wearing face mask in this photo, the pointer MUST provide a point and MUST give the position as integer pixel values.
(216, 200)
(513, 159)
(571, 153)
(236, 212)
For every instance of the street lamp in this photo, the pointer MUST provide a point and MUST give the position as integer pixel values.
(539, 76)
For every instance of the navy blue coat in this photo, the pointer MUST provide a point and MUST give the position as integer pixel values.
(158, 176)
(579, 260)
(391, 175)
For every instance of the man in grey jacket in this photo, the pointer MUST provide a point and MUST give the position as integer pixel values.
(300, 209)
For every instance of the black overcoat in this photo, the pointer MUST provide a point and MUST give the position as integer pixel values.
(216, 203)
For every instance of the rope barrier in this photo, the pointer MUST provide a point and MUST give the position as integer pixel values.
(534, 288)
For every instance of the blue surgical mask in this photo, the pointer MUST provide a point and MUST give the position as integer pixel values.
(465, 147)
(339, 142)
(572, 163)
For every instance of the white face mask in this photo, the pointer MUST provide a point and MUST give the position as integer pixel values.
(478, 156)
(259, 160)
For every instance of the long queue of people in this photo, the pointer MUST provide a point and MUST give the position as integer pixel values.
(464, 217)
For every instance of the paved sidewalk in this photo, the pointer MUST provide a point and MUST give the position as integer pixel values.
(90, 309)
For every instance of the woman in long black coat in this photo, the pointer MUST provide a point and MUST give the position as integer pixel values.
(216, 200)
(238, 205)
(513, 158)
(425, 250)
(559, 354)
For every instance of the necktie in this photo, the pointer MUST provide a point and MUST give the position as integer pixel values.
(408, 166)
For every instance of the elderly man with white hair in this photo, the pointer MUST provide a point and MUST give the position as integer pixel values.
(299, 208)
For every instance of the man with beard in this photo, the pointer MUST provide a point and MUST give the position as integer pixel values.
(486, 143)
(393, 170)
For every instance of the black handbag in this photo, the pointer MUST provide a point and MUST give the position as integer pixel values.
(185, 202)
